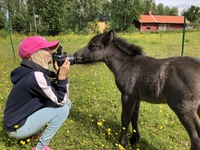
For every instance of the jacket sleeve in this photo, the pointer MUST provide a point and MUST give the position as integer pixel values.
(39, 86)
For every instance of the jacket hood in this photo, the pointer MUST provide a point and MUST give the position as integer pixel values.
(18, 73)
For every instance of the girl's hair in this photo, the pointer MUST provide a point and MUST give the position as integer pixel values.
(38, 57)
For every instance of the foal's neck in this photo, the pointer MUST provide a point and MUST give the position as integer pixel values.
(116, 63)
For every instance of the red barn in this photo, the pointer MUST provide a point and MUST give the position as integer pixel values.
(155, 22)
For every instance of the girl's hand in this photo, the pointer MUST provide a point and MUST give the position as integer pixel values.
(63, 69)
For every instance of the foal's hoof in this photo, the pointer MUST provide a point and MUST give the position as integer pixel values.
(134, 141)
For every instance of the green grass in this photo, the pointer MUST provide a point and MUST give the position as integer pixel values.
(96, 101)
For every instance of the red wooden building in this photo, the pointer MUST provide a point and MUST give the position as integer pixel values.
(155, 22)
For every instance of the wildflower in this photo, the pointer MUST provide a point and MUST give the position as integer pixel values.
(92, 83)
(124, 128)
(120, 146)
(28, 140)
(83, 142)
(161, 127)
(99, 123)
(134, 131)
(109, 131)
(22, 142)
(16, 126)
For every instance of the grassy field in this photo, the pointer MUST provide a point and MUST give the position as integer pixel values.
(94, 120)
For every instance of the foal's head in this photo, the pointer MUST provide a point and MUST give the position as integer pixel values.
(106, 45)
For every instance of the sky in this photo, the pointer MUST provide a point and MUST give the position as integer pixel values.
(181, 4)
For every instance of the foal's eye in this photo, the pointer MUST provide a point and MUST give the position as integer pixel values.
(92, 47)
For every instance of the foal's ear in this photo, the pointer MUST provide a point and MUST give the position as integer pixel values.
(108, 37)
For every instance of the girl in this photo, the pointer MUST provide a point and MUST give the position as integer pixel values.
(35, 99)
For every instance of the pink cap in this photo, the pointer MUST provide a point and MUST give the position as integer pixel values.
(32, 44)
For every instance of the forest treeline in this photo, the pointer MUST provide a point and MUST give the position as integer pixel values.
(52, 17)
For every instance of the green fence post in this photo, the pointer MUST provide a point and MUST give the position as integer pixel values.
(113, 21)
(183, 39)
(7, 25)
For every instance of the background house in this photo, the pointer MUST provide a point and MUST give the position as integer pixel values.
(98, 25)
(155, 22)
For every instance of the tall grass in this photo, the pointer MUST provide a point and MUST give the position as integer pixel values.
(94, 120)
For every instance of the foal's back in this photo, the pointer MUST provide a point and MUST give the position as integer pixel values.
(160, 79)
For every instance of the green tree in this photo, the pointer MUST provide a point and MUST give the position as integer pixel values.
(2, 22)
(174, 11)
(167, 10)
(51, 12)
(160, 9)
(192, 13)
(123, 13)
(18, 23)
(149, 5)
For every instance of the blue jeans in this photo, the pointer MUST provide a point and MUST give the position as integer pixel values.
(52, 115)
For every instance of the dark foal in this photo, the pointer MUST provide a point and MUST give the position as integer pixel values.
(175, 81)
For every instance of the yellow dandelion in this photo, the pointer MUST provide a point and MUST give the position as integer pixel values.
(109, 131)
(92, 83)
(99, 123)
(90, 115)
(124, 128)
(28, 140)
(16, 126)
(83, 142)
(102, 145)
(161, 127)
(120, 146)
(22, 142)
(134, 131)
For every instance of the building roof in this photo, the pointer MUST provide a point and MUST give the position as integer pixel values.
(161, 19)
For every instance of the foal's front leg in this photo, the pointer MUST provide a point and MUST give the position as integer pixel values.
(134, 120)
(127, 109)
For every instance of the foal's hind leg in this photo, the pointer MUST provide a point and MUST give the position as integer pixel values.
(187, 114)
(134, 120)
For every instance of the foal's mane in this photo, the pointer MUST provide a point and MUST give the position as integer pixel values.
(128, 48)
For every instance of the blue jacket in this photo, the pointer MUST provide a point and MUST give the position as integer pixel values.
(30, 91)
